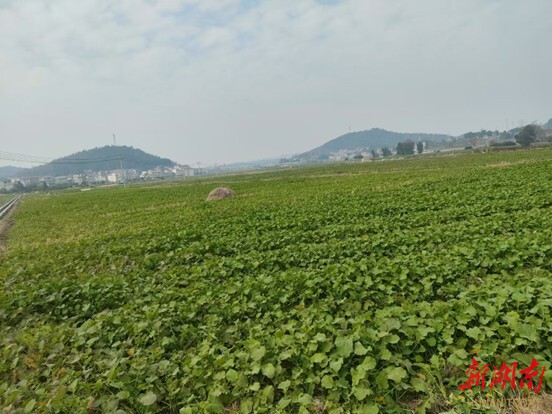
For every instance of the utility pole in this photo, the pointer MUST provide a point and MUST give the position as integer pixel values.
(120, 163)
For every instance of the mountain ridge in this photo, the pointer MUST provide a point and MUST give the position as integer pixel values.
(9, 171)
(371, 138)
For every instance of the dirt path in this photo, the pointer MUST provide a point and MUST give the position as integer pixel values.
(5, 225)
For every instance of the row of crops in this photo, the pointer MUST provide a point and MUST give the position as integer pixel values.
(340, 288)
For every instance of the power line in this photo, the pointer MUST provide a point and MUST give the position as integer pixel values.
(37, 160)
(11, 156)
(31, 159)
(20, 157)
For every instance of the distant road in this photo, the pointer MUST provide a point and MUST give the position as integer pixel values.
(4, 220)
(8, 206)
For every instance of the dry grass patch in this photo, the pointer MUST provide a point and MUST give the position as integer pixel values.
(220, 193)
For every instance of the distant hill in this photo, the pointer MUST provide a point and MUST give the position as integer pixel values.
(99, 159)
(548, 125)
(10, 171)
(373, 138)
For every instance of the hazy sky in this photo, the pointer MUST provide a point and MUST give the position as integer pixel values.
(219, 81)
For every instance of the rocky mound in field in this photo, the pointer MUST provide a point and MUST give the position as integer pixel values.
(220, 193)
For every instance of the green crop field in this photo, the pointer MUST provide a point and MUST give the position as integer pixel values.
(4, 198)
(356, 287)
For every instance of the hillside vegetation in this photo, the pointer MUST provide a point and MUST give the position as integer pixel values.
(341, 288)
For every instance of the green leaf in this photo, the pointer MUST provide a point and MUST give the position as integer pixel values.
(284, 385)
(267, 394)
(528, 332)
(369, 363)
(459, 358)
(284, 402)
(232, 375)
(419, 384)
(123, 395)
(319, 358)
(357, 375)
(361, 393)
(344, 346)
(473, 332)
(148, 398)
(246, 406)
(258, 354)
(255, 367)
(269, 370)
(393, 339)
(386, 354)
(327, 382)
(397, 374)
(336, 365)
(30, 405)
(381, 381)
(359, 349)
(304, 399)
(370, 409)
